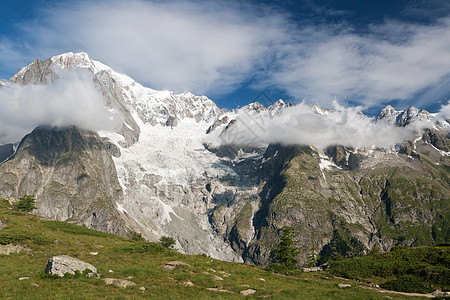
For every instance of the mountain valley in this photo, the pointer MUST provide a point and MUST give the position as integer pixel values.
(175, 165)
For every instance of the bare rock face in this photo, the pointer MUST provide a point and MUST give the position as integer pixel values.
(437, 139)
(62, 264)
(6, 152)
(72, 175)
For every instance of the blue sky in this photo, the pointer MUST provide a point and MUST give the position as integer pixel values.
(367, 53)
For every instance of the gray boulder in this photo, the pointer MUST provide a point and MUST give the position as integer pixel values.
(122, 283)
(62, 264)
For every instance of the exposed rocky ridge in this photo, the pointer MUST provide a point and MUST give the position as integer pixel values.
(72, 175)
(123, 95)
(227, 202)
(405, 117)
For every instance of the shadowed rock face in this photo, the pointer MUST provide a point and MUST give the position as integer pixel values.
(388, 199)
(6, 151)
(438, 139)
(72, 175)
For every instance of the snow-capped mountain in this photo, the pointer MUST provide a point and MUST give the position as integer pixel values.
(156, 173)
(405, 117)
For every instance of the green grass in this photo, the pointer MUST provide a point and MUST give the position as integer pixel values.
(140, 261)
(404, 269)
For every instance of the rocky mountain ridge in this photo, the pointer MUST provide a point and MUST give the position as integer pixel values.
(156, 174)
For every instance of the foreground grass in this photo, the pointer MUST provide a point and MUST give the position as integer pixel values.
(140, 262)
(405, 269)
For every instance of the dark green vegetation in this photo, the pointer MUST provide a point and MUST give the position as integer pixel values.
(284, 252)
(140, 262)
(167, 242)
(26, 203)
(404, 269)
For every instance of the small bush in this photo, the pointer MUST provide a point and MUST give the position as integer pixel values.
(26, 203)
(411, 269)
(42, 240)
(143, 247)
(134, 236)
(4, 203)
(282, 269)
(167, 242)
(409, 284)
(277, 268)
(13, 236)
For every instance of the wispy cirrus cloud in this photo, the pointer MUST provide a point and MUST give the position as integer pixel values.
(394, 61)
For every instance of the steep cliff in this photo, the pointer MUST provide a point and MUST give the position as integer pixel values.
(72, 175)
(387, 200)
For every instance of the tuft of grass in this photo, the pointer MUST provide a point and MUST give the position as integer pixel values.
(13, 236)
(75, 229)
(143, 247)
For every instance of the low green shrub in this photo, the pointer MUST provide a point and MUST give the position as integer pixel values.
(167, 242)
(13, 236)
(282, 269)
(76, 229)
(134, 236)
(42, 240)
(143, 247)
(402, 269)
(409, 284)
(4, 203)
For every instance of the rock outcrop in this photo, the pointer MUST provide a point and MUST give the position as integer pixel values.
(62, 264)
(72, 175)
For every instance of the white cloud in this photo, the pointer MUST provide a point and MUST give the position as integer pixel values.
(395, 61)
(70, 100)
(176, 45)
(444, 112)
(300, 125)
(212, 47)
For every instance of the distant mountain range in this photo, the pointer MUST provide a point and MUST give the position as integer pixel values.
(156, 173)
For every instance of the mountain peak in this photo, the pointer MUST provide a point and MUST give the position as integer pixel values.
(411, 113)
(319, 110)
(388, 114)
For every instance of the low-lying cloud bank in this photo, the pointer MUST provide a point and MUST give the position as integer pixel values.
(301, 125)
(70, 100)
